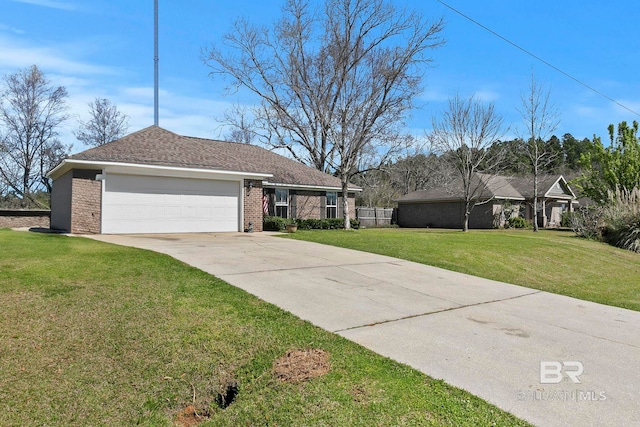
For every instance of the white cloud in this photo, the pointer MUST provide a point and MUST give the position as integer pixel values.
(487, 95)
(433, 95)
(15, 53)
(49, 3)
(13, 30)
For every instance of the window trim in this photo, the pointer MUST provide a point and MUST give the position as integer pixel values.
(333, 207)
(281, 203)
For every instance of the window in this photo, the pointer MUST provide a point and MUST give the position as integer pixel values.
(282, 203)
(332, 204)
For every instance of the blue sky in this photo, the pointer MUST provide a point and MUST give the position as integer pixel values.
(104, 48)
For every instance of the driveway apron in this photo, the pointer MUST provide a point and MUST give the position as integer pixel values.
(549, 359)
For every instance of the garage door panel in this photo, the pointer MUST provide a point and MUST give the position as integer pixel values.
(141, 204)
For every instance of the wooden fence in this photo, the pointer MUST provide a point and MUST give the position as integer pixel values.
(374, 217)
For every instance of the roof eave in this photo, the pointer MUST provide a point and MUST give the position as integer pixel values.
(456, 199)
(566, 184)
(308, 187)
(144, 169)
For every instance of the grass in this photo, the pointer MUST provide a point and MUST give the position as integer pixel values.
(95, 334)
(550, 260)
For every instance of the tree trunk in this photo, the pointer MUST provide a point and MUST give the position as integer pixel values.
(535, 198)
(467, 212)
(345, 203)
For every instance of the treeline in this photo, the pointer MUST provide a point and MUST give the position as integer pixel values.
(420, 170)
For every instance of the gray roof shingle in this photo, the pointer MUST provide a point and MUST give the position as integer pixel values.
(160, 147)
(493, 186)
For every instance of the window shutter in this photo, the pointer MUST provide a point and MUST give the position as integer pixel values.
(272, 203)
(323, 205)
(293, 208)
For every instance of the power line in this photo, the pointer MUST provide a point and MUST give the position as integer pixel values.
(538, 58)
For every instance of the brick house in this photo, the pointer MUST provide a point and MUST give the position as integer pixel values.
(498, 197)
(155, 181)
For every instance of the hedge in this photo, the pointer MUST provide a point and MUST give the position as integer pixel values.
(276, 223)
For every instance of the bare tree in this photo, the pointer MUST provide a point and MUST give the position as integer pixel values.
(541, 118)
(463, 137)
(240, 119)
(334, 84)
(31, 111)
(377, 189)
(417, 172)
(106, 124)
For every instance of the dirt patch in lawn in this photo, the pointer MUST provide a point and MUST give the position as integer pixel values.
(301, 365)
(190, 417)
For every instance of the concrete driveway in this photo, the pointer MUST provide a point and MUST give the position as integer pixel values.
(487, 337)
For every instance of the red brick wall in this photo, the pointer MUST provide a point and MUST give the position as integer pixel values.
(253, 204)
(86, 201)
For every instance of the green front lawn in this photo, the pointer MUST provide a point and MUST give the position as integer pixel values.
(95, 334)
(550, 260)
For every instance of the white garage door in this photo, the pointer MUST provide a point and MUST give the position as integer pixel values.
(149, 204)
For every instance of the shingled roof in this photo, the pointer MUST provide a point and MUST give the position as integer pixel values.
(160, 147)
(490, 186)
(494, 187)
(546, 184)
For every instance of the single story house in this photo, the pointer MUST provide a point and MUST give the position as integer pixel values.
(498, 197)
(155, 181)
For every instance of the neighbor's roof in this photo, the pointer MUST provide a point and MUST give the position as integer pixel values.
(546, 184)
(159, 147)
(497, 187)
(489, 186)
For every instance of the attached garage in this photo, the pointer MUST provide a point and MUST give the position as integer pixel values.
(156, 181)
(117, 198)
(151, 204)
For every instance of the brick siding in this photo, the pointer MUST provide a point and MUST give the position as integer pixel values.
(253, 204)
(309, 204)
(443, 215)
(86, 203)
(22, 219)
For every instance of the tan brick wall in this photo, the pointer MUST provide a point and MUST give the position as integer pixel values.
(352, 205)
(86, 203)
(253, 204)
(309, 204)
(21, 219)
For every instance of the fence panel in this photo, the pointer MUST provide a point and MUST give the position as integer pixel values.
(374, 217)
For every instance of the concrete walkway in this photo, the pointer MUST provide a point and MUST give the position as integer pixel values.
(480, 335)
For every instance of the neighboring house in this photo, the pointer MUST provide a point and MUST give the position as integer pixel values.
(498, 198)
(155, 181)
(555, 197)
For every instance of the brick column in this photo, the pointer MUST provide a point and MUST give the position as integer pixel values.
(86, 204)
(253, 204)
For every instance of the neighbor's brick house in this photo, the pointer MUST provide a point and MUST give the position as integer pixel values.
(442, 207)
(155, 181)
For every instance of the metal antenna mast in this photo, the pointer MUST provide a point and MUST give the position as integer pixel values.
(155, 63)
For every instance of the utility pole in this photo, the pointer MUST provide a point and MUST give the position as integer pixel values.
(155, 63)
